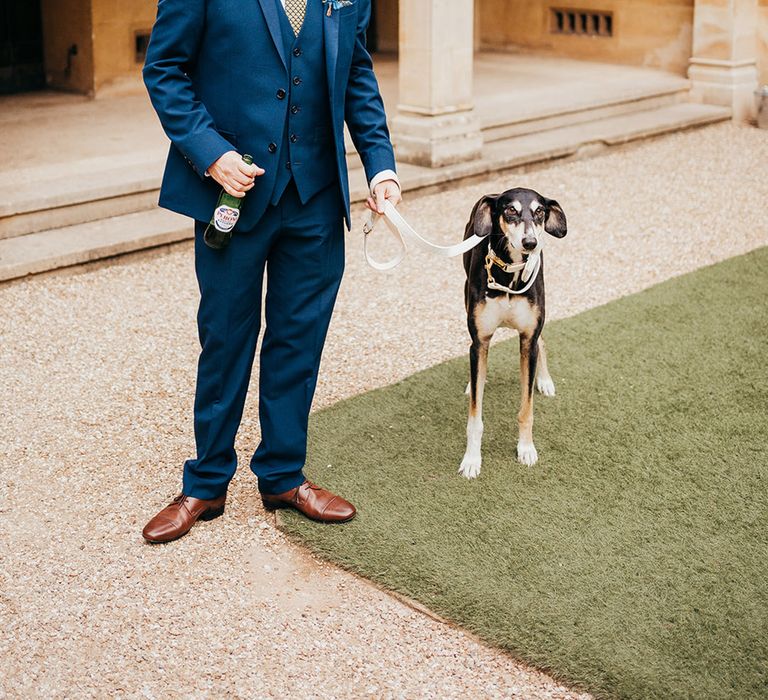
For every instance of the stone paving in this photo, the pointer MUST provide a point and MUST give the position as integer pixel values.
(97, 374)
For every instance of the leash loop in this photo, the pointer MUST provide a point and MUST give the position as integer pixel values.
(402, 232)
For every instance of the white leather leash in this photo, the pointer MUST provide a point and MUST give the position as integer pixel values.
(402, 230)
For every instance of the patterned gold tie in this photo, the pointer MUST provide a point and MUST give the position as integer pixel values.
(296, 9)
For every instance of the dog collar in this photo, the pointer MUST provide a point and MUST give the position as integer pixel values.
(529, 268)
(492, 259)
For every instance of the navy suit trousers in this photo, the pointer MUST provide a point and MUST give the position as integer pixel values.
(301, 249)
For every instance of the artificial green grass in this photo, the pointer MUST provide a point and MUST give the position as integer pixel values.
(632, 560)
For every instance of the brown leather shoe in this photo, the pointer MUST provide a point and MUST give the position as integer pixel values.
(314, 502)
(177, 519)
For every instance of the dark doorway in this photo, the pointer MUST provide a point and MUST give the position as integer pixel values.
(21, 46)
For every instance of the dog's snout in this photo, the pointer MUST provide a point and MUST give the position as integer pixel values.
(529, 243)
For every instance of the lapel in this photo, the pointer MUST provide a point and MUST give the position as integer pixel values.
(269, 8)
(331, 36)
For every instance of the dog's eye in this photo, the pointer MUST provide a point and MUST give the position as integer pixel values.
(511, 213)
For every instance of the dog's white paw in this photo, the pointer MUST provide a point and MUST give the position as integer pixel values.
(470, 466)
(526, 454)
(545, 385)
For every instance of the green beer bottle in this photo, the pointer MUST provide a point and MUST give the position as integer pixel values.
(219, 231)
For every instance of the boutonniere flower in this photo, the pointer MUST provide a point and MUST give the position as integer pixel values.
(336, 5)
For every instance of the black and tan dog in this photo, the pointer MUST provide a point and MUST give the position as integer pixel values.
(515, 223)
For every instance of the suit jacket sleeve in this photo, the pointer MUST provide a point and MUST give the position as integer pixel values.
(364, 108)
(173, 47)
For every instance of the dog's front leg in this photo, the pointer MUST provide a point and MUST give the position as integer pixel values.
(478, 367)
(529, 354)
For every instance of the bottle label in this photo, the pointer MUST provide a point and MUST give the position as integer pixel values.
(225, 218)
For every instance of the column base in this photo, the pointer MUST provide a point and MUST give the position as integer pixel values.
(728, 83)
(436, 141)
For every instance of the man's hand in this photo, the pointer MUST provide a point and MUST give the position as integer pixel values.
(234, 174)
(385, 190)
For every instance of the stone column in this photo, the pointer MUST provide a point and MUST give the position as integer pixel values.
(436, 124)
(723, 68)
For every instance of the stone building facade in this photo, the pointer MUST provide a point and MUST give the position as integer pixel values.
(96, 47)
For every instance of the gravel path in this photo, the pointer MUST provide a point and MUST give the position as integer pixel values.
(97, 374)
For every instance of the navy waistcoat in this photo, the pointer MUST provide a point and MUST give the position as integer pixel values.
(307, 151)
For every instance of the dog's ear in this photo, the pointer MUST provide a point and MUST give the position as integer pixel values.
(481, 221)
(555, 224)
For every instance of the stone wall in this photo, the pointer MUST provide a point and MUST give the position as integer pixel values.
(115, 26)
(104, 32)
(68, 45)
(654, 33)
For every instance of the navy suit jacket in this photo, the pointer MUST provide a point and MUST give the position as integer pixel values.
(214, 71)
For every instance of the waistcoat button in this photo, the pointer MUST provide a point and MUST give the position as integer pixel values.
(288, 165)
(297, 80)
(281, 94)
(297, 52)
(295, 109)
(294, 138)
(272, 148)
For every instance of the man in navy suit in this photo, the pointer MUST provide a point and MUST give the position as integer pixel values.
(276, 79)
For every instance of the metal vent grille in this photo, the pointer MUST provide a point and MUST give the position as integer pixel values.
(581, 22)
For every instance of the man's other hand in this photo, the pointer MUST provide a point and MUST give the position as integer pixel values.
(385, 190)
(234, 174)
